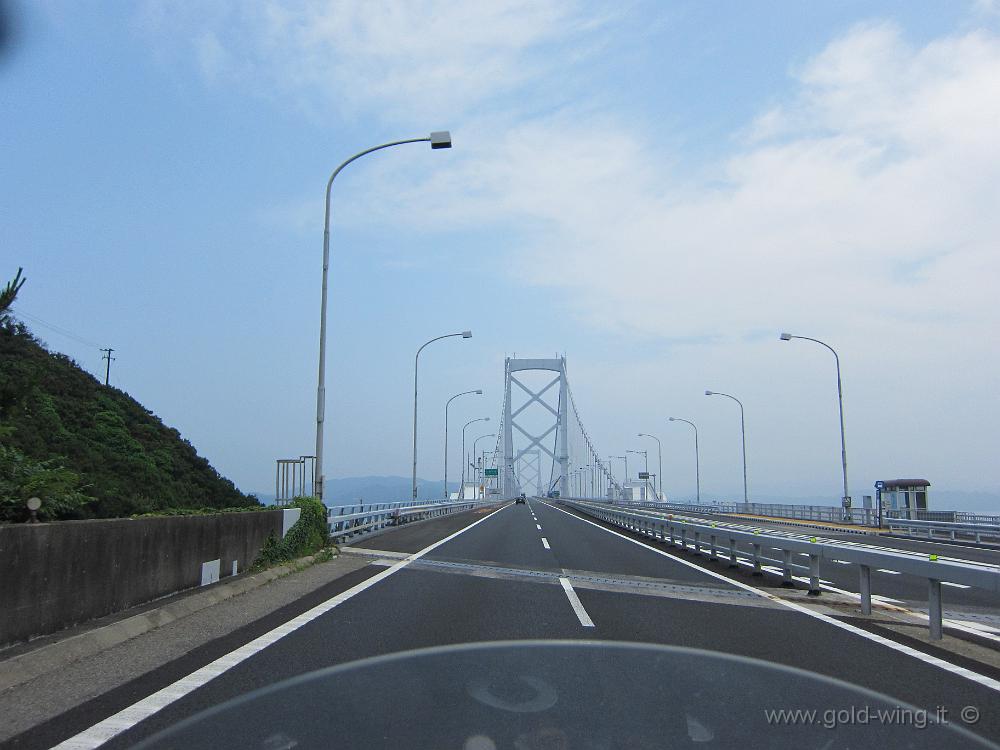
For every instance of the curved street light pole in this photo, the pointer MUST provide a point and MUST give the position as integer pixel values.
(743, 434)
(416, 363)
(478, 392)
(840, 402)
(697, 468)
(476, 443)
(440, 139)
(659, 455)
(461, 489)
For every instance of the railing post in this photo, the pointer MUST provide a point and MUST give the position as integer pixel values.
(713, 555)
(697, 542)
(786, 569)
(865, 587)
(814, 589)
(733, 563)
(934, 608)
(756, 561)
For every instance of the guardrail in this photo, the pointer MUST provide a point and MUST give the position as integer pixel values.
(348, 522)
(945, 530)
(716, 538)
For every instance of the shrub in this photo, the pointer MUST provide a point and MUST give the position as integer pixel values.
(309, 535)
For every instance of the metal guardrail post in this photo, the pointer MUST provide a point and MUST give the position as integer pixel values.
(756, 561)
(697, 542)
(732, 554)
(934, 608)
(814, 589)
(786, 569)
(865, 588)
(713, 555)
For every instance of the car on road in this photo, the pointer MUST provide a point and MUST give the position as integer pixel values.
(521, 499)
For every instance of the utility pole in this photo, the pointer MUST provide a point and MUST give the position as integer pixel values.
(109, 358)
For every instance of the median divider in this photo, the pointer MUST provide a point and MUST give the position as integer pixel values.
(723, 541)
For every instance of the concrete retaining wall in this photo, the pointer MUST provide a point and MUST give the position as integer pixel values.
(56, 575)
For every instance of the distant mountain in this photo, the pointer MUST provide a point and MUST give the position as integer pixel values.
(89, 450)
(378, 489)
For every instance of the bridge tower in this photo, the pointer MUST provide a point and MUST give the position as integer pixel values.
(560, 426)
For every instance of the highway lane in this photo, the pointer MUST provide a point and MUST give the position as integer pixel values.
(497, 580)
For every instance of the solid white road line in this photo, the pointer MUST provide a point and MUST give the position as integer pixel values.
(545, 543)
(125, 719)
(574, 602)
(968, 674)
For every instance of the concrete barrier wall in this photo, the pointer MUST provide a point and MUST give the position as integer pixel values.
(56, 575)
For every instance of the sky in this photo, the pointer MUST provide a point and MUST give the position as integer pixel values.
(654, 189)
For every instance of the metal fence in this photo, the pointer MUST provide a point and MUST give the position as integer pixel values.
(974, 532)
(351, 521)
(759, 548)
(825, 513)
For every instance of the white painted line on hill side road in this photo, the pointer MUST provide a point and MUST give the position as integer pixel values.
(125, 719)
(574, 602)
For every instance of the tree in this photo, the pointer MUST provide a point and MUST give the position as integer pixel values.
(8, 294)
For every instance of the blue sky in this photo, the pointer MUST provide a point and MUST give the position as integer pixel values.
(656, 189)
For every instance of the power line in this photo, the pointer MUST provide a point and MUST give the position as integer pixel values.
(57, 329)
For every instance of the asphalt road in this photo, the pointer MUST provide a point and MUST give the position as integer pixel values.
(515, 575)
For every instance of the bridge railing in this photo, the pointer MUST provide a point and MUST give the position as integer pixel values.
(725, 541)
(978, 532)
(348, 521)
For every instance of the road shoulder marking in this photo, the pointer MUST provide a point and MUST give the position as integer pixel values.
(545, 543)
(128, 717)
(575, 603)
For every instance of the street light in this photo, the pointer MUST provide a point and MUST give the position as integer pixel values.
(840, 401)
(461, 488)
(476, 442)
(743, 433)
(446, 405)
(439, 139)
(416, 362)
(697, 469)
(659, 453)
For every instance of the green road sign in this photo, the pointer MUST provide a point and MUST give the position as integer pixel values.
(491, 473)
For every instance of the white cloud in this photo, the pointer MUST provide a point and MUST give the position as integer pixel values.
(409, 60)
(872, 192)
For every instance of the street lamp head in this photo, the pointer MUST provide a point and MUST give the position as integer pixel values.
(466, 334)
(671, 419)
(479, 393)
(486, 419)
(786, 337)
(709, 393)
(440, 139)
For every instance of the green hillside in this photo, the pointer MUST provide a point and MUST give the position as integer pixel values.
(86, 449)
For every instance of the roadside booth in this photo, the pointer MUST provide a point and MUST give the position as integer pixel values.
(908, 497)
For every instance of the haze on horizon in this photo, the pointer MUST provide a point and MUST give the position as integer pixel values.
(656, 191)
